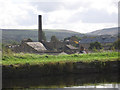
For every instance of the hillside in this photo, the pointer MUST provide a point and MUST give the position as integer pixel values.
(106, 31)
(11, 35)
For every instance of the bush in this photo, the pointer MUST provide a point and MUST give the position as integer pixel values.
(95, 50)
(6, 51)
(96, 45)
(116, 44)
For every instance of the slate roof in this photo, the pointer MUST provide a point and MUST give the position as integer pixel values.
(71, 47)
(36, 45)
(98, 39)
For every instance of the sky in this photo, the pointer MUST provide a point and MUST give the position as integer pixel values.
(77, 15)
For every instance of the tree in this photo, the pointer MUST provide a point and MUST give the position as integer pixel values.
(43, 36)
(96, 45)
(116, 44)
(54, 39)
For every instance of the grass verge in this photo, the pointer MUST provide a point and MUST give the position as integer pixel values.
(32, 59)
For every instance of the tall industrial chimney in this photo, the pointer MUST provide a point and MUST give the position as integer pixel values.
(40, 28)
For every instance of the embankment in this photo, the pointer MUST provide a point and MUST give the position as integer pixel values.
(59, 68)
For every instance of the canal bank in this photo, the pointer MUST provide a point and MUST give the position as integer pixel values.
(59, 68)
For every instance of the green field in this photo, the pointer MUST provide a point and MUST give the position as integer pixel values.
(32, 59)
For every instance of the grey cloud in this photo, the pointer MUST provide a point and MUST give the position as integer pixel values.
(47, 6)
(76, 5)
(90, 16)
(95, 16)
(53, 6)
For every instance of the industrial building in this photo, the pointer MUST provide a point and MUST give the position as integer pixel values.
(43, 47)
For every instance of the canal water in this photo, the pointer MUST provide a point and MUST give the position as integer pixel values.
(65, 82)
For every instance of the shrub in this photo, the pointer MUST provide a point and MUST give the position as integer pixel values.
(96, 45)
(116, 44)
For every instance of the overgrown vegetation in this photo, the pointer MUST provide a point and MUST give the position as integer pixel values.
(22, 58)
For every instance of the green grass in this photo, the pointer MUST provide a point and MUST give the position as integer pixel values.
(22, 58)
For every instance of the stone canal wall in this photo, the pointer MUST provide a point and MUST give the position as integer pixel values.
(51, 69)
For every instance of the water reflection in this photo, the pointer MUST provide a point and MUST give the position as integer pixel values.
(97, 86)
(66, 81)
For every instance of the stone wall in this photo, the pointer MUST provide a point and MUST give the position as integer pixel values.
(38, 70)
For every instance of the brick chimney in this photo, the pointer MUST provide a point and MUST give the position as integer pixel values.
(39, 28)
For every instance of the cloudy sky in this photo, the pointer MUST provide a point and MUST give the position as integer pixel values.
(76, 15)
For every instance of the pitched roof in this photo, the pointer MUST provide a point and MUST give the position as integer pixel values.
(36, 45)
(71, 47)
